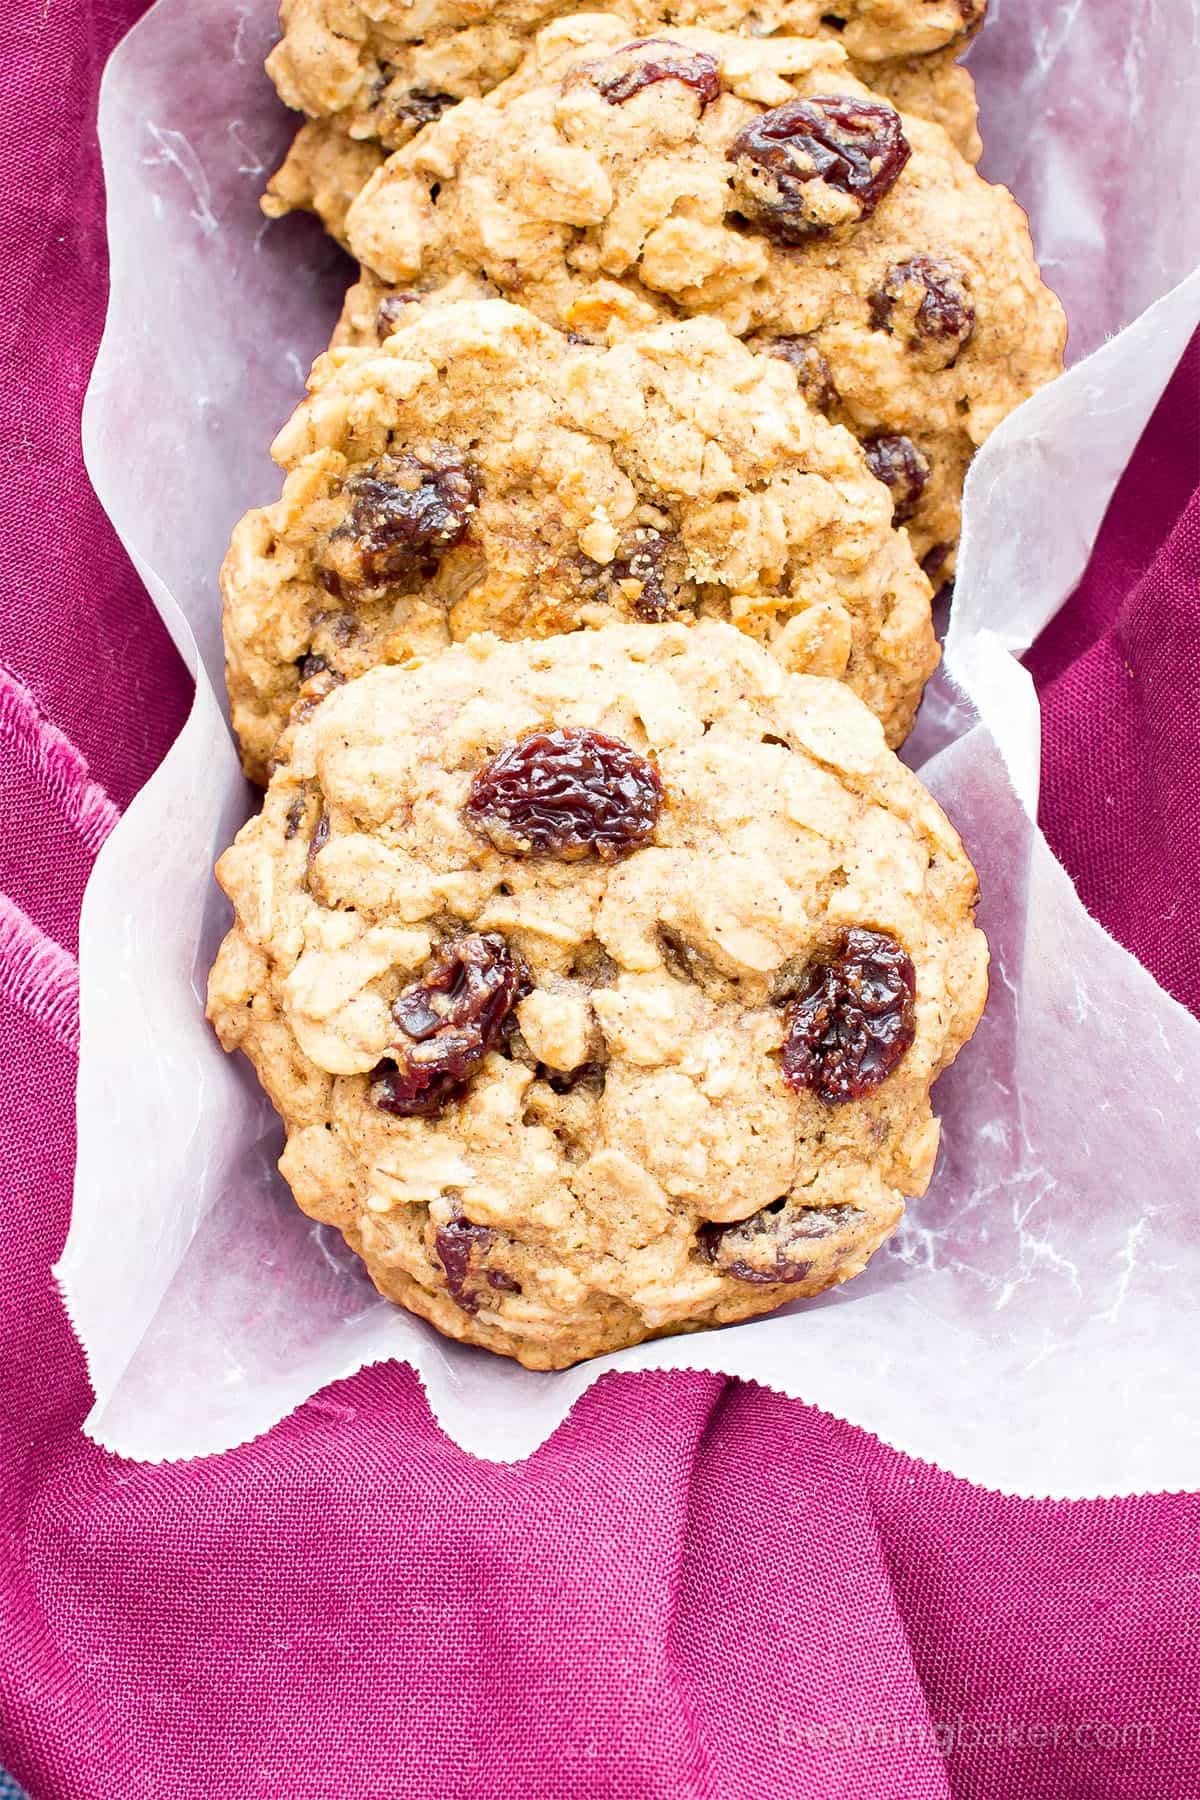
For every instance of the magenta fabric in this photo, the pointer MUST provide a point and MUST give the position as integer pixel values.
(696, 1588)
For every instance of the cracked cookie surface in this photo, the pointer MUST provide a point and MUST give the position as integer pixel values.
(378, 70)
(326, 168)
(580, 181)
(479, 470)
(599, 982)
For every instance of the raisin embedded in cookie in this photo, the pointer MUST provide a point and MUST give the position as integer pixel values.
(478, 470)
(326, 168)
(599, 981)
(371, 75)
(787, 200)
(382, 70)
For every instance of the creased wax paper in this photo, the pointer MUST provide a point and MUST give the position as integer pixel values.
(1031, 1326)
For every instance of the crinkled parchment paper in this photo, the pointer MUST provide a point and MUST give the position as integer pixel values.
(1032, 1325)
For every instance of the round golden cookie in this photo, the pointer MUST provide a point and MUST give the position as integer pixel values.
(750, 181)
(599, 982)
(481, 471)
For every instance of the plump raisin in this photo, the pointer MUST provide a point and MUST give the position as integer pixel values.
(804, 168)
(390, 315)
(448, 1021)
(695, 68)
(903, 468)
(814, 377)
(924, 298)
(770, 1245)
(853, 1020)
(404, 513)
(567, 794)
(462, 1249)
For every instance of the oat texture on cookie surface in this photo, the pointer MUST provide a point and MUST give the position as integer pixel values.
(370, 74)
(600, 981)
(754, 182)
(481, 470)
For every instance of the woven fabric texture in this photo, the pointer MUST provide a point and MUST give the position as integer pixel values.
(695, 1588)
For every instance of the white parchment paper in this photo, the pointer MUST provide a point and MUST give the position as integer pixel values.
(1032, 1325)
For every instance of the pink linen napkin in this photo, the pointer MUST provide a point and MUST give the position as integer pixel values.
(695, 1588)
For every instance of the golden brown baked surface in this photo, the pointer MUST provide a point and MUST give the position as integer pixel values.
(763, 186)
(380, 70)
(480, 471)
(326, 167)
(560, 1101)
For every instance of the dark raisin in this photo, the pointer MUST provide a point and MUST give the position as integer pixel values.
(462, 1248)
(317, 843)
(787, 160)
(903, 468)
(567, 794)
(854, 1019)
(391, 313)
(769, 1246)
(405, 512)
(448, 1022)
(933, 298)
(457, 1242)
(295, 816)
(814, 377)
(644, 562)
(315, 686)
(420, 106)
(646, 574)
(695, 68)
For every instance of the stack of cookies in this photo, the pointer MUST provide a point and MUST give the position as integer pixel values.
(593, 944)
